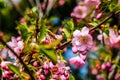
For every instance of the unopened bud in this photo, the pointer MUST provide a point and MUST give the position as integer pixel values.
(99, 15)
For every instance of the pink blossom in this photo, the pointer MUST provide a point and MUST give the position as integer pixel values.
(118, 1)
(103, 67)
(61, 2)
(83, 57)
(94, 71)
(114, 39)
(117, 76)
(106, 38)
(74, 49)
(99, 77)
(4, 64)
(77, 61)
(111, 69)
(22, 20)
(80, 12)
(92, 2)
(3, 53)
(108, 64)
(17, 45)
(82, 40)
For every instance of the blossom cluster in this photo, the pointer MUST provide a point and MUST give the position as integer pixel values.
(82, 42)
(89, 30)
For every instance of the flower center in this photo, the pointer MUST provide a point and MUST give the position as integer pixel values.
(84, 39)
(55, 69)
(80, 12)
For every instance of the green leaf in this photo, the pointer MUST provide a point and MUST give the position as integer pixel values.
(14, 68)
(2, 46)
(31, 67)
(94, 23)
(67, 33)
(50, 54)
(51, 45)
(114, 7)
(43, 31)
(54, 43)
(70, 24)
(71, 77)
(24, 31)
(25, 76)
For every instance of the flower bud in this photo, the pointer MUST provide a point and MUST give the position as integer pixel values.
(108, 64)
(99, 15)
(97, 7)
(35, 64)
(103, 67)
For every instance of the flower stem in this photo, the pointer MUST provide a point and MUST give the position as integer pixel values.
(21, 61)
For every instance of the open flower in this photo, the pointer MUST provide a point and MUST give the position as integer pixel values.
(17, 45)
(82, 40)
(92, 2)
(114, 39)
(105, 37)
(80, 12)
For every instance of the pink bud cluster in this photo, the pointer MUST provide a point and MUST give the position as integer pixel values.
(107, 66)
(56, 71)
(82, 42)
(6, 71)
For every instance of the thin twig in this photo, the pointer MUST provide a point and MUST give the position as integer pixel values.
(49, 6)
(106, 19)
(63, 45)
(40, 12)
(21, 61)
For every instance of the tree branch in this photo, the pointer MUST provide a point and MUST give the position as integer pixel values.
(106, 19)
(63, 45)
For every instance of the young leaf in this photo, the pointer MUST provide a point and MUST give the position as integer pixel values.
(24, 31)
(25, 76)
(67, 32)
(2, 46)
(71, 25)
(43, 31)
(15, 69)
(50, 54)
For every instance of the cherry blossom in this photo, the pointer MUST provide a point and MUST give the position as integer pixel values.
(82, 40)
(92, 2)
(17, 45)
(80, 12)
